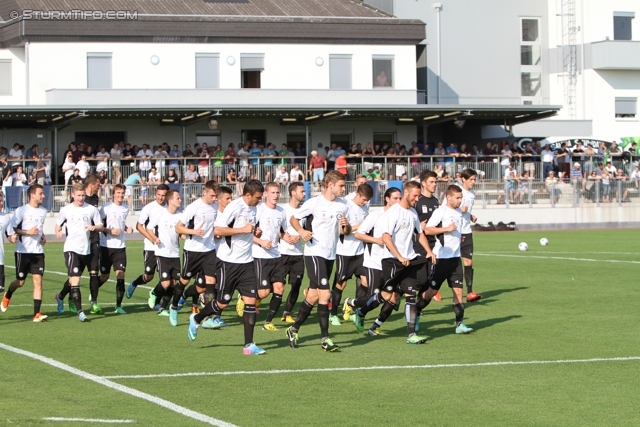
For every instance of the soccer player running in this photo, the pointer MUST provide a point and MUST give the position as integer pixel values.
(350, 254)
(291, 250)
(370, 233)
(445, 223)
(5, 229)
(80, 219)
(113, 252)
(199, 254)
(151, 210)
(161, 230)
(326, 219)
(466, 245)
(400, 262)
(270, 218)
(235, 263)
(27, 222)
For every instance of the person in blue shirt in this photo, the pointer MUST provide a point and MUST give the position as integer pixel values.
(174, 154)
(254, 153)
(132, 180)
(269, 153)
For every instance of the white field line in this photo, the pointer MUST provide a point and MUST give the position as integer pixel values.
(567, 252)
(562, 258)
(130, 391)
(89, 420)
(374, 368)
(83, 277)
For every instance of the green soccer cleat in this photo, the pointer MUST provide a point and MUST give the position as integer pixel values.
(151, 300)
(462, 329)
(95, 309)
(335, 321)
(164, 313)
(119, 310)
(72, 306)
(328, 345)
(293, 337)
(358, 320)
(415, 339)
(346, 310)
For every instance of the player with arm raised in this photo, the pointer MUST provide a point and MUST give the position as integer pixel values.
(326, 219)
(113, 252)
(80, 219)
(235, 263)
(27, 222)
(445, 223)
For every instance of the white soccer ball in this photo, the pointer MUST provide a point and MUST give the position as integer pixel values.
(544, 241)
(523, 246)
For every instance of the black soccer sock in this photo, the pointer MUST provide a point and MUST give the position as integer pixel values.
(274, 306)
(361, 290)
(249, 320)
(210, 293)
(410, 314)
(468, 277)
(190, 292)
(166, 298)
(2, 280)
(458, 309)
(76, 297)
(94, 286)
(158, 291)
(159, 296)
(178, 293)
(371, 303)
(294, 293)
(303, 313)
(211, 309)
(139, 281)
(422, 304)
(323, 319)
(386, 311)
(36, 306)
(336, 297)
(65, 290)
(119, 291)
(362, 300)
(9, 293)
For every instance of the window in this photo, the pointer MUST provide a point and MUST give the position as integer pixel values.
(99, 70)
(622, 25)
(530, 61)
(207, 71)
(530, 55)
(626, 107)
(340, 71)
(5, 77)
(530, 30)
(251, 65)
(530, 84)
(382, 71)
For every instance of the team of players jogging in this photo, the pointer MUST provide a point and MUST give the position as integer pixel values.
(251, 245)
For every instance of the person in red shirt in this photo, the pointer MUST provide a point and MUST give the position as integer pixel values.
(341, 163)
(317, 166)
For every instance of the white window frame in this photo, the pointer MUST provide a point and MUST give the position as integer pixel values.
(534, 100)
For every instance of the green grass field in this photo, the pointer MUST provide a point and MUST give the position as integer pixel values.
(568, 303)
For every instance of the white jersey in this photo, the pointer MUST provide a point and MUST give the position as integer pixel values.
(25, 218)
(77, 218)
(400, 224)
(236, 249)
(372, 252)
(284, 247)
(200, 215)
(113, 216)
(272, 223)
(447, 244)
(164, 227)
(325, 225)
(7, 230)
(468, 199)
(149, 211)
(352, 196)
(349, 245)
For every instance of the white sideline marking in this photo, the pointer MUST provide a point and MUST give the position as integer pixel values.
(562, 258)
(89, 420)
(375, 368)
(83, 277)
(124, 389)
(567, 252)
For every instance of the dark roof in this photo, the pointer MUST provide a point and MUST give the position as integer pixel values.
(200, 21)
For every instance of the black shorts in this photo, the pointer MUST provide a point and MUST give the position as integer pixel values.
(76, 263)
(292, 266)
(319, 270)
(233, 276)
(374, 280)
(347, 266)
(198, 262)
(423, 275)
(150, 263)
(268, 271)
(399, 278)
(112, 257)
(168, 268)
(466, 246)
(93, 260)
(449, 269)
(29, 263)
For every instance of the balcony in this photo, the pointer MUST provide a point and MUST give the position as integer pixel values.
(228, 97)
(615, 55)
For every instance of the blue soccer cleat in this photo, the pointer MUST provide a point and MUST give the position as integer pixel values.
(253, 349)
(60, 302)
(193, 327)
(130, 289)
(173, 317)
